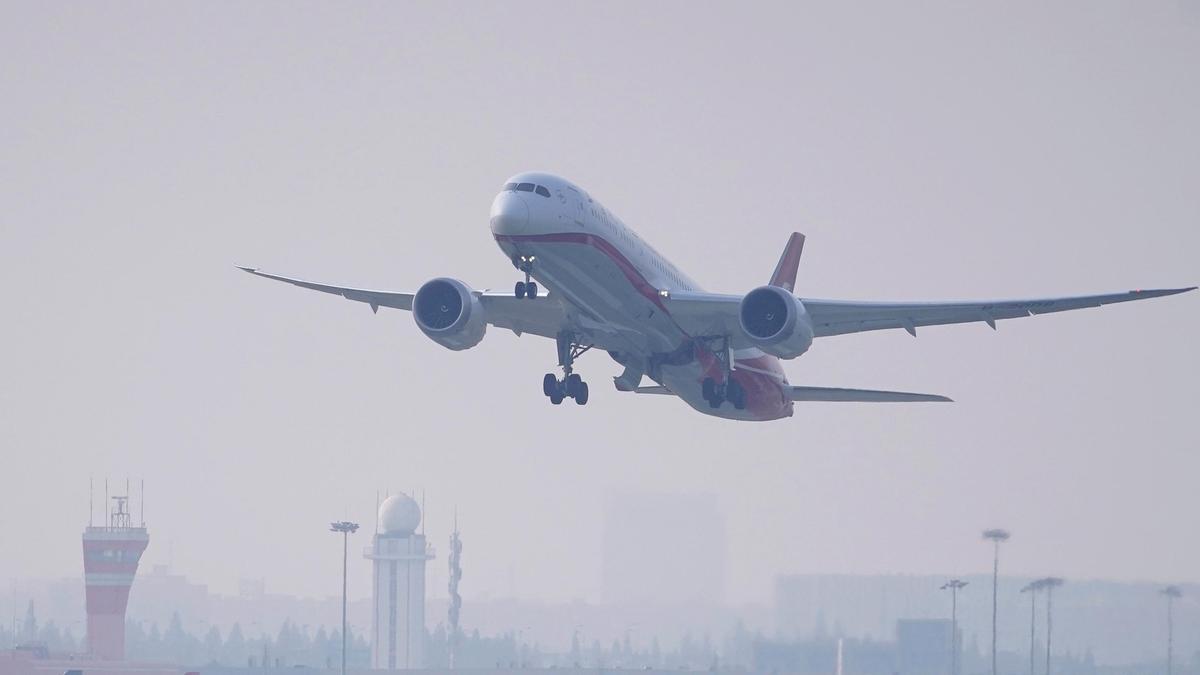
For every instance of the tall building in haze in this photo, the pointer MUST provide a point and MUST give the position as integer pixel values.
(398, 585)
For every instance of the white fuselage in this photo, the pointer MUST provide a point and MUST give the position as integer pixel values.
(613, 285)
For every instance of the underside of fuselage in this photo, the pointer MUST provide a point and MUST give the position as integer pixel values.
(614, 305)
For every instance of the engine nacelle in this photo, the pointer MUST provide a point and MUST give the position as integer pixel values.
(776, 322)
(449, 313)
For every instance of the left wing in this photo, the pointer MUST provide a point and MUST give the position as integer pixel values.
(837, 317)
(540, 316)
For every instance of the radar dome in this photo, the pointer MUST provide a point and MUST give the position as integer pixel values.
(399, 516)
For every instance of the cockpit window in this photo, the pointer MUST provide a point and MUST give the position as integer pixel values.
(527, 187)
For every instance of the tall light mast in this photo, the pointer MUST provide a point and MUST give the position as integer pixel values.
(346, 528)
(1172, 593)
(1032, 588)
(455, 599)
(996, 536)
(953, 585)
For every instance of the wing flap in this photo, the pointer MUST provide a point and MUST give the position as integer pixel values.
(832, 394)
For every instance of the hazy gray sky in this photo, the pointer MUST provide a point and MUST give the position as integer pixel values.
(934, 152)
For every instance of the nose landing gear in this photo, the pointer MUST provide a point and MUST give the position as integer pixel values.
(571, 385)
(527, 288)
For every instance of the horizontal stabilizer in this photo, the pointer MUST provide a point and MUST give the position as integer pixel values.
(863, 395)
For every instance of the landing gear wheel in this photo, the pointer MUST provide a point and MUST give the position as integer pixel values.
(572, 384)
(525, 289)
(714, 402)
(736, 394)
(708, 389)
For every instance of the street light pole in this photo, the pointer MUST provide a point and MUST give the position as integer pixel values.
(1032, 588)
(346, 528)
(1050, 583)
(953, 585)
(996, 536)
(1172, 592)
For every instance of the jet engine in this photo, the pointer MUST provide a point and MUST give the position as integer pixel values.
(449, 313)
(776, 322)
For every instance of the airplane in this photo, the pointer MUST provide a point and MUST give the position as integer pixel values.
(606, 288)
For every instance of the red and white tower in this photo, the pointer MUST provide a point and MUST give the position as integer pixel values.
(110, 558)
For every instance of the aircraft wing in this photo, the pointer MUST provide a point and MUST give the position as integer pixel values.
(717, 314)
(699, 313)
(540, 316)
(375, 299)
(837, 317)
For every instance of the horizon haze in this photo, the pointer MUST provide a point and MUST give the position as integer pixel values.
(936, 153)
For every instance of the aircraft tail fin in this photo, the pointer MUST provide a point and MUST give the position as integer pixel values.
(789, 263)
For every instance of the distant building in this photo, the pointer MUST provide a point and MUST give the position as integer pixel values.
(398, 585)
(110, 560)
(923, 646)
(662, 549)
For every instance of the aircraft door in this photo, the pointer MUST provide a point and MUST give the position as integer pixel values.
(574, 202)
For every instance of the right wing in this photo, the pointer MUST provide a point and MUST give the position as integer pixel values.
(375, 299)
(540, 316)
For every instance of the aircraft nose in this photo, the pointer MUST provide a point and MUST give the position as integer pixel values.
(510, 213)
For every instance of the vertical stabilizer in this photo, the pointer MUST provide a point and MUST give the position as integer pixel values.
(789, 262)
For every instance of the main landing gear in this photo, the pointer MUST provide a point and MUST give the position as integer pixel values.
(527, 288)
(728, 389)
(717, 393)
(571, 385)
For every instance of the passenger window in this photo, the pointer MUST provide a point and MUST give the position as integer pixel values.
(510, 186)
(525, 187)
(542, 191)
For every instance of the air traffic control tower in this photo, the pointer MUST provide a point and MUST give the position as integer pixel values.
(110, 558)
(398, 587)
